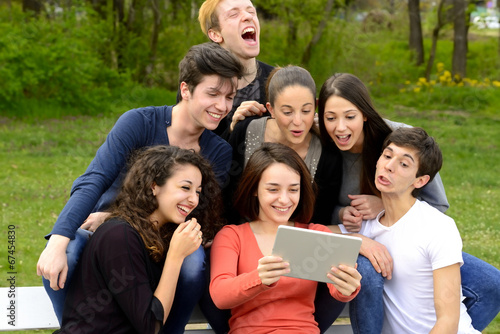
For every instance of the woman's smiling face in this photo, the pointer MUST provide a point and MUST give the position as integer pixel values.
(344, 123)
(278, 193)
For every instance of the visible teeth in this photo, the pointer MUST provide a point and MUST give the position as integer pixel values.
(215, 115)
(343, 137)
(281, 209)
(182, 208)
(250, 30)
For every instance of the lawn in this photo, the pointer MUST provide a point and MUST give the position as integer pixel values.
(40, 159)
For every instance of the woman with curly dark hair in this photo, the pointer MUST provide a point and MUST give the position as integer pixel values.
(126, 281)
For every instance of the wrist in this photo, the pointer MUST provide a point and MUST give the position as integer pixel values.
(58, 241)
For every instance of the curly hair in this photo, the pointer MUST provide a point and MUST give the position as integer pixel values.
(135, 202)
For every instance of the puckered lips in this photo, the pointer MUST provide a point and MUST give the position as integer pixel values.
(297, 133)
(382, 180)
(249, 34)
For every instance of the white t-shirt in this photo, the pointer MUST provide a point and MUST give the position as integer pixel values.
(423, 240)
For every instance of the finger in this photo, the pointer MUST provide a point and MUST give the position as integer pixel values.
(86, 225)
(374, 263)
(53, 278)
(63, 276)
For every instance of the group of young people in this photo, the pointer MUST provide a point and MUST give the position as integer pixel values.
(184, 203)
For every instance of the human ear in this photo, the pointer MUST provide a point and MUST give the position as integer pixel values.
(215, 36)
(421, 181)
(270, 109)
(185, 93)
(154, 188)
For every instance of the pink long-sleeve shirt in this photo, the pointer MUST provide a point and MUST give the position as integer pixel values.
(285, 306)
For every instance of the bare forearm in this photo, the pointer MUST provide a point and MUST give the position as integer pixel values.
(165, 291)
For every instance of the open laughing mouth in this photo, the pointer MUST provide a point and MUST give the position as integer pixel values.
(249, 34)
(216, 116)
(343, 139)
(183, 209)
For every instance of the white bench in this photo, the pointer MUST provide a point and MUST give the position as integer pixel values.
(32, 309)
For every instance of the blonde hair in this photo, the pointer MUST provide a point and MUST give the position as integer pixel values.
(207, 15)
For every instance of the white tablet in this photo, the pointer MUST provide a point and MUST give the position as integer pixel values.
(312, 253)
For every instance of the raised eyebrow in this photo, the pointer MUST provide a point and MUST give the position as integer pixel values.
(409, 156)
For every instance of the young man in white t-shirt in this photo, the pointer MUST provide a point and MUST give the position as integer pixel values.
(424, 294)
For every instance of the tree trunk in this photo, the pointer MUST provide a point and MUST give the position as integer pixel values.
(435, 36)
(34, 6)
(459, 63)
(416, 39)
(306, 57)
(154, 37)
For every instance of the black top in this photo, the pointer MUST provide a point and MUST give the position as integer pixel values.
(328, 178)
(255, 91)
(113, 285)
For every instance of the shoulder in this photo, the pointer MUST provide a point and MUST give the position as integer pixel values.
(431, 218)
(396, 125)
(232, 234)
(265, 68)
(115, 232)
(145, 116)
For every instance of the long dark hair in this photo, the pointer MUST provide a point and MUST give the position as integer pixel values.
(135, 201)
(375, 129)
(269, 153)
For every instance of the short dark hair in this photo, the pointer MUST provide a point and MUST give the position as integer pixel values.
(208, 59)
(430, 158)
(269, 153)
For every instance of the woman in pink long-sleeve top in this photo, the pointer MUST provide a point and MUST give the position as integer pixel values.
(275, 189)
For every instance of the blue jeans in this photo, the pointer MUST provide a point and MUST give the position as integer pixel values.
(327, 308)
(480, 287)
(73, 253)
(189, 289)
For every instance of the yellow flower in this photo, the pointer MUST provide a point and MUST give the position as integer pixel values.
(496, 83)
(407, 82)
(440, 67)
(416, 89)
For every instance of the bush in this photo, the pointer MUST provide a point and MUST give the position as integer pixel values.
(57, 61)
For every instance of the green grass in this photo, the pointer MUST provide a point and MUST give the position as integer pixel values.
(40, 159)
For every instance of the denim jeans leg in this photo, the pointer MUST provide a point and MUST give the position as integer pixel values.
(366, 311)
(481, 289)
(73, 253)
(326, 308)
(189, 289)
(217, 318)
